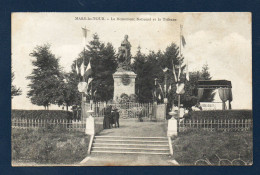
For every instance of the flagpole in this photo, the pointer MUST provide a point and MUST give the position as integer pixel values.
(179, 95)
(83, 78)
(84, 52)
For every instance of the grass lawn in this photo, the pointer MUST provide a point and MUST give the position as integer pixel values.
(191, 146)
(45, 146)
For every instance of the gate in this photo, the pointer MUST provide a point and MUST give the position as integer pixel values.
(131, 110)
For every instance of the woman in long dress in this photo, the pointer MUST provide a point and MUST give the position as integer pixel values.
(107, 116)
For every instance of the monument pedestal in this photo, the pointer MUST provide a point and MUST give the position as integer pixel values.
(124, 83)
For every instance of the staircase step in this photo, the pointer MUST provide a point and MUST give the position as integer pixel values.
(127, 148)
(140, 141)
(110, 144)
(130, 145)
(119, 152)
(126, 137)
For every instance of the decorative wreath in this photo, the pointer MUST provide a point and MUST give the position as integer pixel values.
(125, 79)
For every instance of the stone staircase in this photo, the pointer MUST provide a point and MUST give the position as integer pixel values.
(130, 145)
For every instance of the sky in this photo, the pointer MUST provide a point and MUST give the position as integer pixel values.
(221, 40)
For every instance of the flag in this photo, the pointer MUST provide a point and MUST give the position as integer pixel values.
(169, 88)
(187, 71)
(180, 88)
(90, 92)
(85, 31)
(82, 69)
(89, 80)
(160, 87)
(183, 41)
(77, 69)
(89, 85)
(88, 70)
(182, 37)
(174, 73)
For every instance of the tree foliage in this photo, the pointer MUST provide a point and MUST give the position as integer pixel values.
(14, 90)
(46, 77)
(149, 68)
(150, 81)
(102, 58)
(155, 78)
(68, 91)
(208, 94)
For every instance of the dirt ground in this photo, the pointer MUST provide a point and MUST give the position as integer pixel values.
(131, 127)
(127, 160)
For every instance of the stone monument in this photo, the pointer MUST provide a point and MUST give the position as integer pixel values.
(124, 77)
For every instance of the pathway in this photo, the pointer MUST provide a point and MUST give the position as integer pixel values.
(130, 127)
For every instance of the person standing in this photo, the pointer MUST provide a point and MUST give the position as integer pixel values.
(107, 116)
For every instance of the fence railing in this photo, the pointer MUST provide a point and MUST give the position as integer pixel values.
(126, 110)
(216, 125)
(70, 125)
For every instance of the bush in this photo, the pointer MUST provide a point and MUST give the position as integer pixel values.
(45, 146)
(220, 114)
(41, 114)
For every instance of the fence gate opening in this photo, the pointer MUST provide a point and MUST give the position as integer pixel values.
(131, 110)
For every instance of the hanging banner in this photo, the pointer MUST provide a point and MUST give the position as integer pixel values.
(180, 88)
(82, 86)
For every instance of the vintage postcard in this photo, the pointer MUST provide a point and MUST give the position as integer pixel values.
(132, 89)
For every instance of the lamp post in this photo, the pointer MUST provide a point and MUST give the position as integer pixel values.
(154, 109)
(154, 94)
(165, 100)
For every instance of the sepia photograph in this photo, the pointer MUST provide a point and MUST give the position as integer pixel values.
(131, 89)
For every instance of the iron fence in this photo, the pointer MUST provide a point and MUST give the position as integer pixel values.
(216, 125)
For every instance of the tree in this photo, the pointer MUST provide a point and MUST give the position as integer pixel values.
(150, 67)
(103, 64)
(69, 94)
(46, 77)
(138, 67)
(208, 94)
(205, 75)
(14, 90)
(189, 98)
(170, 60)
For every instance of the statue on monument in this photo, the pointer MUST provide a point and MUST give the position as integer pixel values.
(124, 54)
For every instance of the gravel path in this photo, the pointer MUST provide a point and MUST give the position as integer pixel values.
(130, 127)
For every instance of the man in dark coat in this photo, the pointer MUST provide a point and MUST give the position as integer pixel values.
(107, 116)
(115, 118)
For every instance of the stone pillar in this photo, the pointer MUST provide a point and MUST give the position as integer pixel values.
(172, 125)
(83, 108)
(90, 123)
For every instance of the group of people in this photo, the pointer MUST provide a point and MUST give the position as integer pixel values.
(111, 117)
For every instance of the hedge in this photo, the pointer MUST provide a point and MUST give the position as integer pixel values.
(42, 114)
(220, 114)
